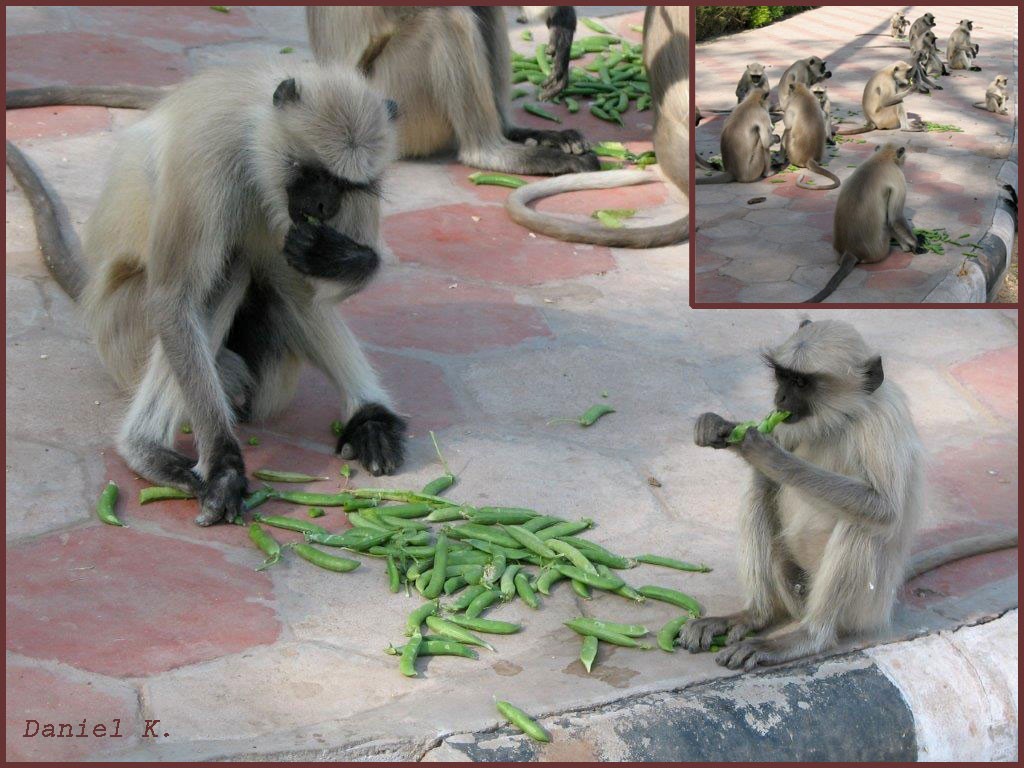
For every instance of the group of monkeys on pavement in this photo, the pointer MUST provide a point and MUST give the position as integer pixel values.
(246, 204)
(869, 211)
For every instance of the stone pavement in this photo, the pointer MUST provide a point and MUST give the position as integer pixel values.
(484, 333)
(779, 250)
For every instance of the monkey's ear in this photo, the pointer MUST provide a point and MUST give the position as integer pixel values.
(901, 151)
(805, 321)
(873, 374)
(287, 93)
(392, 107)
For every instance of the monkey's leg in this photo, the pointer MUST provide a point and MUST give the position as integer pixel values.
(561, 29)
(373, 434)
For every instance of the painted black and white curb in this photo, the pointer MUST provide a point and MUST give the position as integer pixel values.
(947, 696)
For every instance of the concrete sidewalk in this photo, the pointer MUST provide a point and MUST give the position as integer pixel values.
(779, 250)
(484, 333)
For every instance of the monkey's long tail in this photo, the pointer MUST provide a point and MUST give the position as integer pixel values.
(845, 268)
(576, 231)
(57, 239)
(117, 96)
(866, 128)
(814, 166)
(932, 558)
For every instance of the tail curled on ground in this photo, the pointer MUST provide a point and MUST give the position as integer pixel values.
(115, 96)
(929, 559)
(575, 231)
(846, 266)
(814, 166)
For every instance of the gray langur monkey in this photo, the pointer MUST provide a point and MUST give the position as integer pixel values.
(883, 100)
(898, 24)
(995, 97)
(960, 51)
(666, 58)
(921, 25)
(918, 76)
(928, 44)
(807, 71)
(561, 24)
(235, 215)
(753, 78)
(820, 92)
(869, 214)
(805, 137)
(448, 68)
(837, 492)
(746, 142)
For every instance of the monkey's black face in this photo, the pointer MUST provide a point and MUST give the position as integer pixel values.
(314, 193)
(794, 391)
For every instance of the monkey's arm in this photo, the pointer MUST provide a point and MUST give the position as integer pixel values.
(561, 30)
(899, 227)
(852, 496)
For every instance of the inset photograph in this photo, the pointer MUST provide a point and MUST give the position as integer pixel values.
(855, 154)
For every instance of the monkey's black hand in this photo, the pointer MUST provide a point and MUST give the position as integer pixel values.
(710, 431)
(321, 251)
(221, 494)
(375, 437)
(920, 244)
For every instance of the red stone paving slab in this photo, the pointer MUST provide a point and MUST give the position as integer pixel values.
(418, 388)
(960, 578)
(78, 58)
(494, 248)
(992, 378)
(38, 694)
(895, 260)
(980, 479)
(895, 280)
(713, 288)
(125, 603)
(585, 202)
(422, 312)
(188, 25)
(47, 122)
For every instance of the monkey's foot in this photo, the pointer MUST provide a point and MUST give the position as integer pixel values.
(222, 493)
(697, 636)
(569, 141)
(375, 437)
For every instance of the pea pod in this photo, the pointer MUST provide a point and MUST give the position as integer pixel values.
(598, 554)
(765, 426)
(541, 522)
(439, 485)
(668, 634)
(360, 520)
(467, 597)
(454, 584)
(533, 109)
(581, 589)
(290, 524)
(547, 578)
(574, 555)
(668, 562)
(105, 506)
(526, 593)
(588, 651)
(608, 636)
(502, 515)
(590, 579)
(437, 647)
(162, 493)
(417, 617)
(487, 533)
(494, 570)
(467, 556)
(482, 602)
(508, 585)
(530, 540)
(324, 560)
(257, 498)
(542, 59)
(310, 499)
(349, 540)
(496, 549)
(564, 528)
(595, 26)
(523, 721)
(672, 596)
(267, 545)
(489, 626)
(407, 664)
(278, 476)
(315, 512)
(386, 494)
(445, 515)
(455, 632)
(629, 630)
(394, 579)
(406, 511)
(572, 105)
(497, 180)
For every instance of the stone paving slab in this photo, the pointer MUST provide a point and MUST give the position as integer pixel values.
(167, 621)
(780, 250)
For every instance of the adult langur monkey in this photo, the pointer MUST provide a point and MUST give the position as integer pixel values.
(807, 71)
(561, 23)
(883, 100)
(920, 26)
(918, 75)
(666, 58)
(928, 43)
(898, 24)
(869, 213)
(836, 496)
(235, 215)
(960, 51)
(448, 67)
(995, 97)
(746, 142)
(753, 78)
(805, 137)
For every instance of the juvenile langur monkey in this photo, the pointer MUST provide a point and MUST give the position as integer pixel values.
(836, 495)
(869, 213)
(921, 25)
(995, 97)
(806, 136)
(206, 281)
(899, 24)
(561, 24)
(753, 78)
(883, 100)
(746, 141)
(807, 71)
(960, 51)
(666, 58)
(448, 68)
(821, 94)
(919, 71)
(926, 43)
